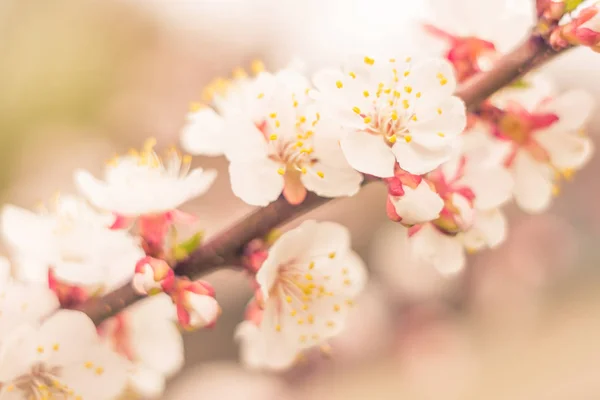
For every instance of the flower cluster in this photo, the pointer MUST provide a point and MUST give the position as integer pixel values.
(520, 145)
(396, 119)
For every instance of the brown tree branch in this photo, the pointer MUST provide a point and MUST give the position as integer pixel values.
(225, 248)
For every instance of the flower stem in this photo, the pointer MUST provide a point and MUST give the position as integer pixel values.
(225, 248)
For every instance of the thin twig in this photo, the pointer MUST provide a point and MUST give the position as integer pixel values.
(225, 248)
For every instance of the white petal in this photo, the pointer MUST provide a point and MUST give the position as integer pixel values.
(418, 205)
(73, 332)
(438, 122)
(18, 352)
(489, 230)
(245, 142)
(444, 253)
(25, 304)
(337, 181)
(533, 183)
(103, 379)
(434, 78)
(492, 186)
(258, 350)
(417, 159)
(147, 383)
(203, 133)
(368, 154)
(256, 182)
(573, 109)
(155, 339)
(566, 149)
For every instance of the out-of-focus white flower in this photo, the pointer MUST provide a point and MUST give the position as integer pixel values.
(392, 110)
(545, 143)
(73, 240)
(288, 149)
(243, 97)
(22, 303)
(147, 335)
(486, 20)
(226, 380)
(307, 284)
(61, 358)
(143, 184)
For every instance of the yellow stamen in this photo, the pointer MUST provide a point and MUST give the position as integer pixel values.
(352, 74)
(281, 171)
(320, 174)
(257, 66)
(392, 139)
(366, 93)
(339, 84)
(273, 115)
(273, 137)
(356, 110)
(408, 89)
(332, 255)
(369, 61)
(407, 138)
(367, 120)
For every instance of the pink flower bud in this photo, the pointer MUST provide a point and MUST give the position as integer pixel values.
(196, 304)
(588, 32)
(152, 276)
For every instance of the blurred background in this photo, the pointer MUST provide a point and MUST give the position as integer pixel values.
(83, 79)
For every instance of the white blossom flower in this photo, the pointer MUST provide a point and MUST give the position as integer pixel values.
(72, 239)
(392, 110)
(231, 99)
(147, 335)
(288, 149)
(22, 303)
(60, 359)
(545, 143)
(142, 183)
(308, 282)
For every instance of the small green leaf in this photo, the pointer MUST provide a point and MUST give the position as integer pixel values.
(520, 84)
(185, 248)
(571, 5)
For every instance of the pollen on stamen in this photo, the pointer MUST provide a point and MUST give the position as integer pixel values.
(352, 74)
(304, 307)
(196, 106)
(349, 302)
(405, 104)
(10, 388)
(441, 134)
(406, 73)
(330, 324)
(257, 67)
(300, 321)
(555, 190)
(308, 277)
(99, 371)
(394, 115)
(293, 313)
(568, 173)
(321, 174)
(366, 93)
(408, 59)
(273, 115)
(288, 299)
(239, 73)
(55, 347)
(397, 94)
(331, 255)
(339, 84)
(311, 319)
(407, 138)
(408, 89)
(311, 265)
(367, 120)
(418, 95)
(369, 61)
(273, 137)
(336, 307)
(260, 96)
(88, 364)
(392, 60)
(392, 139)
(278, 328)
(442, 79)
(303, 170)
(347, 282)
(277, 123)
(414, 117)
(439, 111)
(40, 349)
(299, 143)
(356, 110)
(281, 171)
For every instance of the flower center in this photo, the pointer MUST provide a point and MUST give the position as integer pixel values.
(42, 383)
